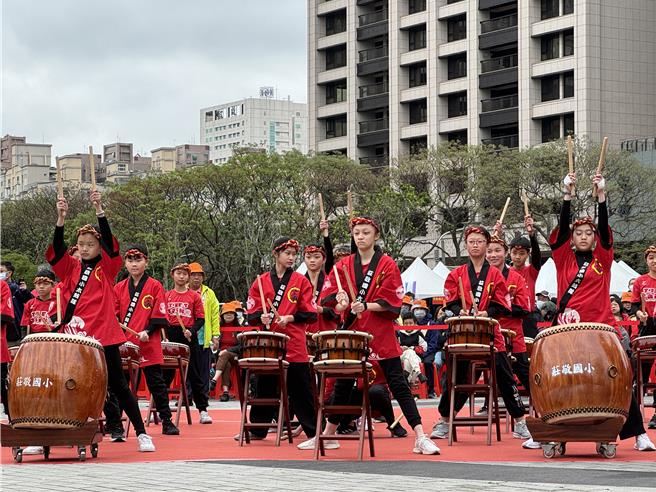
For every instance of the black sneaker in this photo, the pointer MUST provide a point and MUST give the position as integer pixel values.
(225, 396)
(652, 423)
(117, 435)
(347, 429)
(212, 385)
(169, 428)
(398, 431)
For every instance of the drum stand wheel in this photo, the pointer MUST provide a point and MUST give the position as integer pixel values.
(46, 452)
(17, 453)
(94, 450)
(607, 450)
(552, 449)
(82, 453)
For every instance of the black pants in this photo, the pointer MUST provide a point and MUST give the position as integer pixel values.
(521, 368)
(429, 369)
(398, 385)
(205, 361)
(505, 382)
(633, 425)
(4, 394)
(119, 386)
(194, 371)
(379, 399)
(301, 400)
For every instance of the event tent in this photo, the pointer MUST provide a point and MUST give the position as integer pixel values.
(422, 281)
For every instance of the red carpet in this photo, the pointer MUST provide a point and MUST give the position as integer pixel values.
(215, 442)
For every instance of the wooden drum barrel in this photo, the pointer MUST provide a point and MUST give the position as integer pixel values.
(580, 375)
(57, 381)
(262, 344)
(342, 345)
(470, 332)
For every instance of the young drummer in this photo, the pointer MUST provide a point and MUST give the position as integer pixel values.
(141, 306)
(291, 295)
(583, 256)
(488, 286)
(6, 320)
(88, 294)
(319, 261)
(37, 312)
(377, 281)
(643, 298)
(520, 251)
(186, 305)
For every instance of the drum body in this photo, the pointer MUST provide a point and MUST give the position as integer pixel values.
(471, 331)
(172, 351)
(57, 381)
(311, 345)
(529, 346)
(342, 345)
(580, 375)
(129, 351)
(262, 344)
(644, 343)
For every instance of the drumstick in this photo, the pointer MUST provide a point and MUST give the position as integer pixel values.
(643, 306)
(59, 309)
(322, 213)
(182, 325)
(350, 285)
(337, 279)
(92, 167)
(60, 184)
(128, 329)
(505, 209)
(570, 157)
(349, 203)
(259, 286)
(600, 165)
(396, 422)
(462, 294)
(525, 201)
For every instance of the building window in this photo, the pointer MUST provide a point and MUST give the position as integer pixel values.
(457, 104)
(456, 28)
(335, 57)
(336, 22)
(568, 42)
(457, 66)
(548, 9)
(459, 137)
(417, 38)
(336, 92)
(415, 6)
(417, 145)
(550, 48)
(550, 88)
(418, 111)
(417, 74)
(568, 84)
(336, 127)
(568, 124)
(550, 129)
(568, 7)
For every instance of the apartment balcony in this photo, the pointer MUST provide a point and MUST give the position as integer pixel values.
(372, 25)
(509, 141)
(374, 125)
(328, 6)
(488, 4)
(373, 60)
(499, 111)
(498, 32)
(373, 132)
(498, 71)
(373, 96)
(375, 160)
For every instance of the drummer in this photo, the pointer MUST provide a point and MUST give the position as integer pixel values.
(6, 320)
(291, 295)
(140, 302)
(643, 298)
(37, 312)
(488, 287)
(377, 280)
(583, 255)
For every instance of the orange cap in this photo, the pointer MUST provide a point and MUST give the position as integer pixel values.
(407, 300)
(196, 267)
(229, 307)
(626, 296)
(420, 304)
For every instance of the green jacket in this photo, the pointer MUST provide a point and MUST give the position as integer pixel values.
(212, 319)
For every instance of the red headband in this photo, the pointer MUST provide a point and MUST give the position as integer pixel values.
(498, 240)
(585, 221)
(181, 266)
(477, 230)
(43, 279)
(311, 249)
(651, 249)
(135, 253)
(292, 243)
(363, 220)
(88, 229)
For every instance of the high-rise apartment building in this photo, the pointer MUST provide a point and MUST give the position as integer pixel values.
(390, 77)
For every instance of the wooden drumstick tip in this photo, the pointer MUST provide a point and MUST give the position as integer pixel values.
(463, 300)
(350, 287)
(59, 307)
(396, 422)
(525, 201)
(92, 168)
(505, 209)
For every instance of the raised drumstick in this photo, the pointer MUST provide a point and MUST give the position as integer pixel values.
(92, 167)
(463, 301)
(600, 165)
(525, 201)
(60, 183)
(349, 203)
(351, 288)
(505, 209)
(264, 306)
(570, 157)
(59, 307)
(322, 213)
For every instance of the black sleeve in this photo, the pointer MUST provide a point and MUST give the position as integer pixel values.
(495, 310)
(518, 312)
(24, 295)
(604, 231)
(156, 324)
(106, 236)
(300, 317)
(536, 255)
(455, 307)
(198, 324)
(58, 243)
(330, 314)
(563, 224)
(254, 318)
(330, 258)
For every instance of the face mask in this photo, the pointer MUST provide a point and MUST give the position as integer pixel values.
(419, 314)
(405, 309)
(3, 275)
(539, 304)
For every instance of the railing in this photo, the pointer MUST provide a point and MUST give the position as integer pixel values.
(497, 103)
(375, 161)
(499, 63)
(374, 89)
(510, 141)
(373, 53)
(372, 18)
(374, 125)
(499, 23)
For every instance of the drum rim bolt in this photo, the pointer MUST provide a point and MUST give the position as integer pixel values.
(613, 371)
(537, 377)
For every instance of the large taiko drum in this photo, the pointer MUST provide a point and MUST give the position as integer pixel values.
(470, 332)
(342, 345)
(262, 344)
(57, 381)
(580, 375)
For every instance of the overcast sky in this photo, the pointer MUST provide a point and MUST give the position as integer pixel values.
(77, 72)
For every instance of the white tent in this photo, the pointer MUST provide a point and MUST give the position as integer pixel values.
(628, 269)
(422, 281)
(547, 278)
(302, 268)
(441, 269)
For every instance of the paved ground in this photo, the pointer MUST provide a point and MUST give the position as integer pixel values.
(345, 476)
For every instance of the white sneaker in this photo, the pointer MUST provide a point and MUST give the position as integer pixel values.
(145, 443)
(423, 445)
(33, 450)
(310, 443)
(205, 417)
(531, 444)
(521, 431)
(440, 430)
(643, 443)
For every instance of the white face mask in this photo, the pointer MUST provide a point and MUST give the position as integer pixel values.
(539, 304)
(3, 275)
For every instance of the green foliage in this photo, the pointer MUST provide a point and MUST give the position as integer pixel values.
(25, 268)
